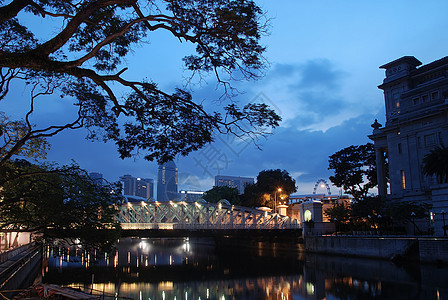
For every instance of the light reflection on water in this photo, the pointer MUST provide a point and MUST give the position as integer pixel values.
(196, 269)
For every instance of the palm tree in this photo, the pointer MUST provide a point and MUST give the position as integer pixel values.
(436, 163)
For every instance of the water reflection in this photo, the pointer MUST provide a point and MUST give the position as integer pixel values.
(197, 269)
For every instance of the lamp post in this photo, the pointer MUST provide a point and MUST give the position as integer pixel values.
(443, 218)
(275, 199)
(336, 226)
(413, 220)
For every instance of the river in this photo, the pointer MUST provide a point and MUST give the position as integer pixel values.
(185, 268)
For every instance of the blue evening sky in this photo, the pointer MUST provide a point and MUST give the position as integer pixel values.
(322, 80)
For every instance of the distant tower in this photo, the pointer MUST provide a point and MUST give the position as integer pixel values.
(96, 177)
(138, 186)
(167, 182)
(144, 188)
(129, 183)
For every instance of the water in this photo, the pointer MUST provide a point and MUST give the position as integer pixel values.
(183, 269)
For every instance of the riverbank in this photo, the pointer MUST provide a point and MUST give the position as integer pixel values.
(426, 249)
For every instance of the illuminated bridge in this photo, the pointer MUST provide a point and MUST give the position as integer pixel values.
(198, 216)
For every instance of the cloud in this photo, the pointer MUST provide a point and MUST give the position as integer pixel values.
(307, 94)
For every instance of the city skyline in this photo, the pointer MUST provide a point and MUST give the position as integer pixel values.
(322, 80)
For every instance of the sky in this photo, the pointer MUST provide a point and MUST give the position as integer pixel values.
(324, 59)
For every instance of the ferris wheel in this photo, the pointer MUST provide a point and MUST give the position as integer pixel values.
(322, 183)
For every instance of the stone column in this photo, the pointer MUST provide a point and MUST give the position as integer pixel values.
(381, 172)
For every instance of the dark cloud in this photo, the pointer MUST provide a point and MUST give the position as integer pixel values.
(301, 152)
(320, 74)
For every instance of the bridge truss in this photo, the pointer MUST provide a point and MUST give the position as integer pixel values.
(199, 216)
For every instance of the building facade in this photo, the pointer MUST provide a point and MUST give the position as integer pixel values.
(97, 177)
(167, 182)
(416, 102)
(234, 182)
(141, 187)
(190, 196)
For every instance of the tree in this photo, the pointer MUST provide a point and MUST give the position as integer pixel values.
(436, 163)
(14, 140)
(339, 213)
(354, 170)
(266, 190)
(84, 62)
(57, 202)
(222, 192)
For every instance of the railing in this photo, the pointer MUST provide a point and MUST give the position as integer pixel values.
(199, 216)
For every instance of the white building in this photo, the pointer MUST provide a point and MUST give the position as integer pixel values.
(416, 101)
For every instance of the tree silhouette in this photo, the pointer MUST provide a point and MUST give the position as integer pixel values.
(354, 170)
(436, 163)
(84, 62)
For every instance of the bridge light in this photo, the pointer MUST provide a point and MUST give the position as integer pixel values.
(156, 202)
(219, 205)
(143, 203)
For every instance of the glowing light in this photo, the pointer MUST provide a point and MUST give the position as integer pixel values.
(309, 288)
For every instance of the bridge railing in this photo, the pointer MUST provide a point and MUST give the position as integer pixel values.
(199, 216)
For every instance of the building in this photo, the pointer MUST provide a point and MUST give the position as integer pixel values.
(296, 202)
(190, 196)
(234, 182)
(416, 101)
(96, 177)
(167, 182)
(141, 187)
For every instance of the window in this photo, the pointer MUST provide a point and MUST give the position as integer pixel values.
(307, 215)
(435, 95)
(429, 140)
(425, 98)
(416, 101)
(403, 180)
(399, 148)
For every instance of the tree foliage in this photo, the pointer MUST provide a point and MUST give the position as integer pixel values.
(14, 140)
(339, 213)
(354, 170)
(268, 184)
(377, 212)
(222, 192)
(84, 61)
(58, 202)
(436, 163)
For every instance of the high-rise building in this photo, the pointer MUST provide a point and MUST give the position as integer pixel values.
(141, 187)
(416, 100)
(233, 181)
(145, 188)
(167, 182)
(96, 177)
(190, 196)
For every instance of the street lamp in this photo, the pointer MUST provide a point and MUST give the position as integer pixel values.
(275, 200)
(443, 218)
(413, 220)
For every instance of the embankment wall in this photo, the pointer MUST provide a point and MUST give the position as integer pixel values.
(423, 249)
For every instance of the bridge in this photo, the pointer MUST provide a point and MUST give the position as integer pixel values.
(200, 216)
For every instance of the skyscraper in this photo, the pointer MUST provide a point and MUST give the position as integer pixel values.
(141, 187)
(234, 182)
(167, 182)
(96, 177)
